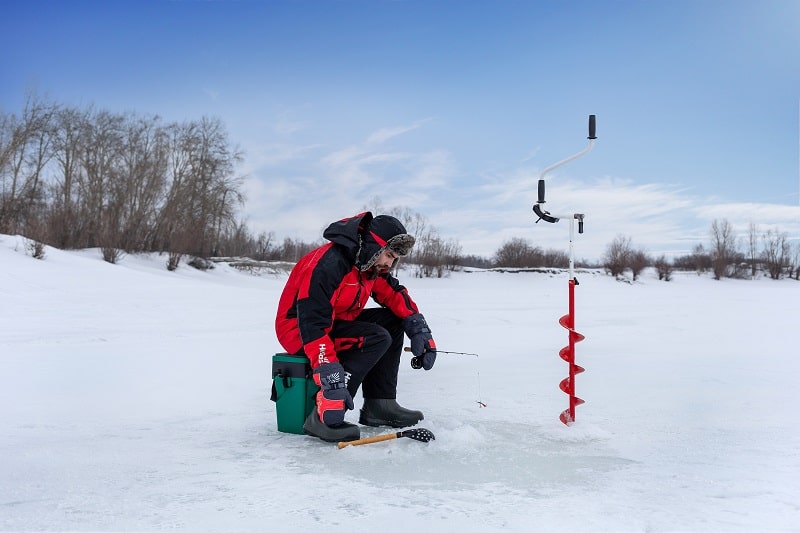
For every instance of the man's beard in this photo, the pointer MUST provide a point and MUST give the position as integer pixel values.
(376, 271)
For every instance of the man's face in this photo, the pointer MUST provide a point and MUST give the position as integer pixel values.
(385, 261)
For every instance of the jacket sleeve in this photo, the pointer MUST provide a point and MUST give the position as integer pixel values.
(314, 307)
(389, 293)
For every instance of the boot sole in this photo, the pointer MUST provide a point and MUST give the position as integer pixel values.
(375, 422)
(331, 433)
(341, 439)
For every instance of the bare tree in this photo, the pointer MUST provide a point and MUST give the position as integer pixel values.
(237, 241)
(64, 222)
(202, 192)
(75, 177)
(475, 261)
(699, 260)
(637, 262)
(139, 184)
(515, 253)
(435, 257)
(617, 255)
(293, 249)
(723, 247)
(25, 150)
(776, 254)
(664, 268)
(795, 263)
(100, 143)
(416, 224)
(263, 245)
(752, 249)
(556, 259)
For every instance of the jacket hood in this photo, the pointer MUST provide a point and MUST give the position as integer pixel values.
(365, 237)
(348, 232)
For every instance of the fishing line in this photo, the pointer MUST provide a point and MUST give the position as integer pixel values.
(416, 362)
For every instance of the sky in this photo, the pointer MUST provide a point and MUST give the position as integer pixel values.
(454, 108)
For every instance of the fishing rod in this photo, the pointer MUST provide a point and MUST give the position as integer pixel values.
(408, 349)
(416, 361)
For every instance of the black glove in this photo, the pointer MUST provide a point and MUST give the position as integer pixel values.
(422, 344)
(333, 399)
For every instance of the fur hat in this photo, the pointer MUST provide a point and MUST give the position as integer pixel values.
(385, 233)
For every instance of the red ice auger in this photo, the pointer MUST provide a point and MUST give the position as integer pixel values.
(567, 353)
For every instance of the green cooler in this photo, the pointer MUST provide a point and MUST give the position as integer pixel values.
(293, 391)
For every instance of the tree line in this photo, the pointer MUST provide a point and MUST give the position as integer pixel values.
(727, 255)
(84, 178)
(74, 177)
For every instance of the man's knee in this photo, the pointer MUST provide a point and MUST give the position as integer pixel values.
(378, 340)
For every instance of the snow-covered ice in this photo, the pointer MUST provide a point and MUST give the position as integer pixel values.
(133, 398)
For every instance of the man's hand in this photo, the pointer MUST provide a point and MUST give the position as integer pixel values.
(422, 344)
(333, 399)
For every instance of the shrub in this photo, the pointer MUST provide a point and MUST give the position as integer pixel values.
(664, 268)
(111, 255)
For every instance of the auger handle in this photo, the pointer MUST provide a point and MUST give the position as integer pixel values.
(368, 440)
(542, 214)
(537, 208)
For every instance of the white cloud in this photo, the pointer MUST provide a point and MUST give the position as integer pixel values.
(385, 134)
(303, 188)
(740, 215)
(278, 153)
(658, 218)
(288, 127)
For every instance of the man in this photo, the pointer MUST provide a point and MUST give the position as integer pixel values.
(321, 314)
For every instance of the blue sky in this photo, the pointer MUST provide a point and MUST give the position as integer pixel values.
(453, 108)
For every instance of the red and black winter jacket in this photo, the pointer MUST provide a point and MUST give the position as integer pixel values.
(327, 285)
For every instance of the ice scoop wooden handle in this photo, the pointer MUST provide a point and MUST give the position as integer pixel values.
(420, 434)
(369, 440)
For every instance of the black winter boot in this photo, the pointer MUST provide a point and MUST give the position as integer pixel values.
(344, 432)
(384, 412)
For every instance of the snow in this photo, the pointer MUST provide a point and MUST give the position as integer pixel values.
(133, 398)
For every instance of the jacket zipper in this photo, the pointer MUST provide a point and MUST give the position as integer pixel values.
(357, 301)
